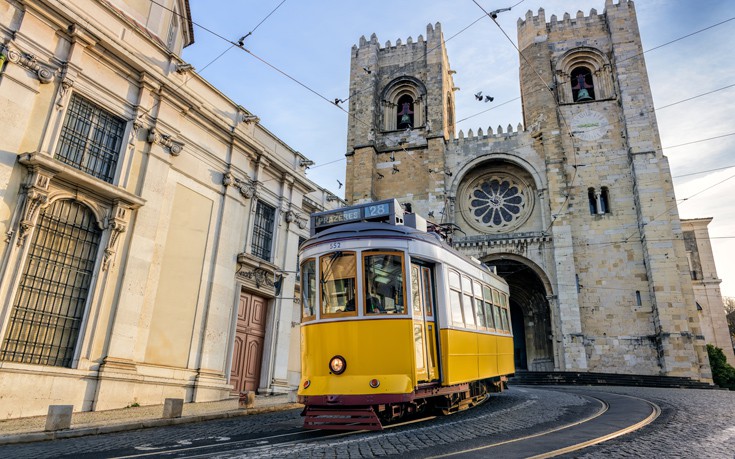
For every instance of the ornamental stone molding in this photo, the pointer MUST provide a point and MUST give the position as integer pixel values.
(291, 216)
(117, 223)
(257, 275)
(28, 61)
(247, 187)
(64, 87)
(165, 140)
(36, 194)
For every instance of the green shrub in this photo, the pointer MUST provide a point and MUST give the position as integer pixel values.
(722, 373)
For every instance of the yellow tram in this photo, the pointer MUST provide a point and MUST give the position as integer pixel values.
(395, 321)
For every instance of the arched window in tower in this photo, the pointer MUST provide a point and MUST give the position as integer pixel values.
(583, 88)
(604, 200)
(404, 113)
(592, 200)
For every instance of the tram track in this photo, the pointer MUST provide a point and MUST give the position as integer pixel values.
(611, 421)
(616, 415)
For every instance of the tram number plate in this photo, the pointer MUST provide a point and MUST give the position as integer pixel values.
(378, 210)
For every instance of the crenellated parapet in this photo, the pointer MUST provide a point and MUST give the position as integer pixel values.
(433, 36)
(534, 28)
(490, 133)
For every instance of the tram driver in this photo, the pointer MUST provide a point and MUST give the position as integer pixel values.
(373, 305)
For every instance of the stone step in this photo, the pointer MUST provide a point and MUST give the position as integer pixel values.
(606, 379)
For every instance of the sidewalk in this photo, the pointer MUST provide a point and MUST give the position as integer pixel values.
(31, 429)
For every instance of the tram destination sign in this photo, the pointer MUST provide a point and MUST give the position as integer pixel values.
(388, 210)
(340, 216)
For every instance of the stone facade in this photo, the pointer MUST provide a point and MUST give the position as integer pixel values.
(702, 270)
(130, 192)
(575, 208)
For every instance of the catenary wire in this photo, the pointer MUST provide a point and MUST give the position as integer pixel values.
(331, 103)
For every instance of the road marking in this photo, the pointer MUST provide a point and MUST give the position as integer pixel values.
(178, 448)
(655, 413)
(603, 408)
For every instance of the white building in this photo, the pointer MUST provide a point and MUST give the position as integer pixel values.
(146, 217)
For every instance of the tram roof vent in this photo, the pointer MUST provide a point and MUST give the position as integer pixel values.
(415, 221)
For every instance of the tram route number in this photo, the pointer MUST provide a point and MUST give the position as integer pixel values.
(378, 210)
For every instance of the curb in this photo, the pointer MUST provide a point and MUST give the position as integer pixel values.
(31, 437)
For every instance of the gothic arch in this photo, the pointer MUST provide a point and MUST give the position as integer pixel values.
(593, 60)
(531, 313)
(401, 89)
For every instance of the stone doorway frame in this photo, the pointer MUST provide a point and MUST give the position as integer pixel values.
(551, 305)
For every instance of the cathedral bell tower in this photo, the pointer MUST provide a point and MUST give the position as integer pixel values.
(401, 110)
(585, 91)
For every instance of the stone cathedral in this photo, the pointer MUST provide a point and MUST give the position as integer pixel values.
(575, 208)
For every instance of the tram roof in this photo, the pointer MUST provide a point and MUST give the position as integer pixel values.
(378, 229)
(385, 230)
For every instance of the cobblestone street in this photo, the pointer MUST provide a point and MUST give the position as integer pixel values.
(693, 423)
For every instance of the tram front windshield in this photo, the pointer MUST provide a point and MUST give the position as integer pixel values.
(384, 283)
(379, 290)
(338, 282)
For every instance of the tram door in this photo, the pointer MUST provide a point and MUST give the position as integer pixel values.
(424, 324)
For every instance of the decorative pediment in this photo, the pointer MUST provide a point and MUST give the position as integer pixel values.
(257, 274)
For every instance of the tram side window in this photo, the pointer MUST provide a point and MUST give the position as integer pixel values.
(308, 289)
(487, 294)
(384, 274)
(338, 279)
(467, 300)
(479, 309)
(455, 298)
(428, 296)
(504, 311)
(415, 291)
(496, 310)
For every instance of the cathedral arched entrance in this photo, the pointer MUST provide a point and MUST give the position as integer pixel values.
(530, 314)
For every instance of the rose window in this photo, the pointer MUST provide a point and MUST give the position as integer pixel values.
(498, 202)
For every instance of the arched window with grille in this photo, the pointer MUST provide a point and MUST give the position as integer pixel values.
(54, 287)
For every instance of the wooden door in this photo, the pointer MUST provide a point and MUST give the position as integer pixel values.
(247, 352)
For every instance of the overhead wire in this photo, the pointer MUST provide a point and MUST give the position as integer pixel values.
(677, 204)
(235, 44)
(699, 141)
(556, 106)
(677, 39)
(232, 45)
(704, 172)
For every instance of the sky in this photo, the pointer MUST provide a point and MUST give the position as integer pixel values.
(300, 57)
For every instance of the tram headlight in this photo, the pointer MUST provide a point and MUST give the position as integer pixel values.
(337, 365)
